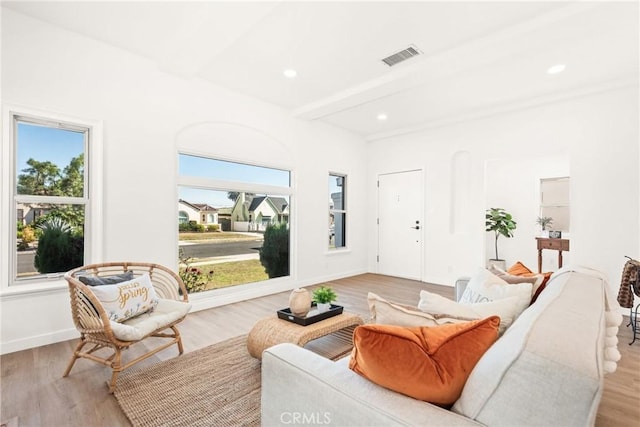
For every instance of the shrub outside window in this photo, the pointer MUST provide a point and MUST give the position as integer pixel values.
(50, 196)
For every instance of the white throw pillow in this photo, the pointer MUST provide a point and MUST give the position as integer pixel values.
(128, 299)
(485, 287)
(384, 312)
(505, 308)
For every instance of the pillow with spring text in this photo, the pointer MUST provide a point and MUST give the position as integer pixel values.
(128, 299)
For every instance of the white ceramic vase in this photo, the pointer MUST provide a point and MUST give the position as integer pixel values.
(300, 302)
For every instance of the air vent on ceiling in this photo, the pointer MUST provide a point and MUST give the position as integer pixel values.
(403, 55)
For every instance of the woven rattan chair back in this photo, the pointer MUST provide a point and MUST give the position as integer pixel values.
(92, 321)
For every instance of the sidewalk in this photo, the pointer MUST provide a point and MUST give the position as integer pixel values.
(222, 259)
(257, 236)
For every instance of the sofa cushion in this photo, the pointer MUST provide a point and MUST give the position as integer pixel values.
(534, 279)
(506, 309)
(166, 312)
(388, 313)
(485, 286)
(551, 355)
(426, 363)
(521, 270)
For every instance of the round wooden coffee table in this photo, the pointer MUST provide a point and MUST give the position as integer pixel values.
(338, 331)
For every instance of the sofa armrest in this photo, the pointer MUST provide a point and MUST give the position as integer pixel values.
(300, 387)
(461, 285)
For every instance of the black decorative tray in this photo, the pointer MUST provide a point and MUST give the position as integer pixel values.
(312, 317)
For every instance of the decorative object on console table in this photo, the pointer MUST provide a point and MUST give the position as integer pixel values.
(502, 224)
(553, 244)
(555, 234)
(323, 297)
(544, 222)
(300, 302)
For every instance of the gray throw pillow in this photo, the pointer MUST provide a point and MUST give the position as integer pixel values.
(107, 280)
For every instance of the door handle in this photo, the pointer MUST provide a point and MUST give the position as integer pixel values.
(417, 227)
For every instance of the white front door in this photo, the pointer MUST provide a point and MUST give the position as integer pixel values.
(400, 202)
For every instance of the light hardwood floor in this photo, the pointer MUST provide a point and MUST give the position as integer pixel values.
(34, 392)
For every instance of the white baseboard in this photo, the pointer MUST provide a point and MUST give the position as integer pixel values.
(217, 298)
(200, 302)
(38, 340)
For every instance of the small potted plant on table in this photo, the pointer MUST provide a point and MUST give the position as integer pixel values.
(544, 222)
(323, 297)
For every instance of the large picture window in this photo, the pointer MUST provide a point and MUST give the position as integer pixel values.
(50, 196)
(337, 211)
(233, 223)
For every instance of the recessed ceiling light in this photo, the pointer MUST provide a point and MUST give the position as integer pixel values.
(382, 117)
(555, 69)
(290, 73)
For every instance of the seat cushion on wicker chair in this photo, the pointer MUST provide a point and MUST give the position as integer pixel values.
(165, 313)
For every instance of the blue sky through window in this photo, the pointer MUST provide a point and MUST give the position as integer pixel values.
(59, 146)
(228, 171)
(42, 143)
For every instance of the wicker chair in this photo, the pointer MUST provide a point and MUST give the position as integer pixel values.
(92, 321)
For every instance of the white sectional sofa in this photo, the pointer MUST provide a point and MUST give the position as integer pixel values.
(547, 369)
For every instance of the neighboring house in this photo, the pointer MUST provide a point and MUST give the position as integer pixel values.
(28, 214)
(254, 214)
(201, 213)
(265, 210)
(224, 218)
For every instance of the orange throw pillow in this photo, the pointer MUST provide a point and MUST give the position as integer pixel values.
(519, 269)
(429, 363)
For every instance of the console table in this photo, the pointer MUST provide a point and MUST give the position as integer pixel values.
(553, 244)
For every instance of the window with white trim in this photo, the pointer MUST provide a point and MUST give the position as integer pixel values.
(337, 211)
(555, 203)
(50, 197)
(246, 239)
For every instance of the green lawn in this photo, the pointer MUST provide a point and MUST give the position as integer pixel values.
(234, 273)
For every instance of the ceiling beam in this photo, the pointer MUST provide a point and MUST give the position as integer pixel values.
(418, 70)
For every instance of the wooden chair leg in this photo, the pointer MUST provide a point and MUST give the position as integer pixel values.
(116, 366)
(74, 357)
(179, 339)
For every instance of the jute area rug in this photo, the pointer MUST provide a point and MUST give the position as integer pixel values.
(217, 385)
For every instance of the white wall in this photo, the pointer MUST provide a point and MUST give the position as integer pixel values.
(515, 186)
(143, 111)
(596, 134)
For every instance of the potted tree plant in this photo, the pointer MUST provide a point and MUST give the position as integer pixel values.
(501, 223)
(544, 221)
(323, 297)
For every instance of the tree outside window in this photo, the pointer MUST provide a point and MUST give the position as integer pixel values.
(50, 196)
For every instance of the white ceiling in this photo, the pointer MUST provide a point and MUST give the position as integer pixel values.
(477, 57)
